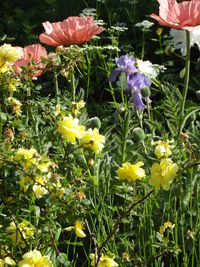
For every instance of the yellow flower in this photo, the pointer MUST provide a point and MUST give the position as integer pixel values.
(77, 106)
(163, 148)
(7, 261)
(93, 140)
(163, 174)
(39, 186)
(4, 67)
(13, 84)
(19, 232)
(70, 129)
(57, 110)
(24, 182)
(15, 105)
(35, 259)
(9, 54)
(26, 156)
(78, 229)
(105, 261)
(131, 172)
(166, 225)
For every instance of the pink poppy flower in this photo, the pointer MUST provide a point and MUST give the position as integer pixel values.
(74, 30)
(181, 16)
(31, 57)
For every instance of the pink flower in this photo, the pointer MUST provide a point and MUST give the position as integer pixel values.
(31, 57)
(74, 30)
(181, 16)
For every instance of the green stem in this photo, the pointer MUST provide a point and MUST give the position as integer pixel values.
(122, 91)
(186, 82)
(126, 130)
(73, 87)
(143, 43)
(55, 79)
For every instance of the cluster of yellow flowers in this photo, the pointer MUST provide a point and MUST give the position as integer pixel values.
(131, 172)
(163, 173)
(20, 232)
(35, 259)
(70, 130)
(105, 261)
(31, 160)
(8, 55)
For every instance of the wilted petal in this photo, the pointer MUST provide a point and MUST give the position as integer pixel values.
(137, 101)
(113, 75)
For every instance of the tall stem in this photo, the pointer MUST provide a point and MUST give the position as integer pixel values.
(55, 79)
(73, 87)
(186, 82)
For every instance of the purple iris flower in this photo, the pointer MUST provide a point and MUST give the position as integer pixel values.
(135, 80)
(125, 64)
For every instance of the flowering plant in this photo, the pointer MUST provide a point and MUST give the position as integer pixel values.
(74, 30)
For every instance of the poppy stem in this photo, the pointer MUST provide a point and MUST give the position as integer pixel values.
(73, 87)
(186, 83)
(55, 79)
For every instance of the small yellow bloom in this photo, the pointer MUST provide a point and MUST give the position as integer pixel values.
(105, 261)
(15, 105)
(70, 129)
(57, 110)
(35, 259)
(90, 162)
(166, 225)
(163, 174)
(39, 186)
(78, 229)
(163, 148)
(131, 172)
(13, 84)
(125, 256)
(7, 261)
(77, 106)
(93, 140)
(24, 183)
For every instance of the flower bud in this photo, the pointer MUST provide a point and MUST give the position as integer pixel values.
(198, 94)
(145, 91)
(94, 123)
(138, 135)
(169, 50)
(91, 162)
